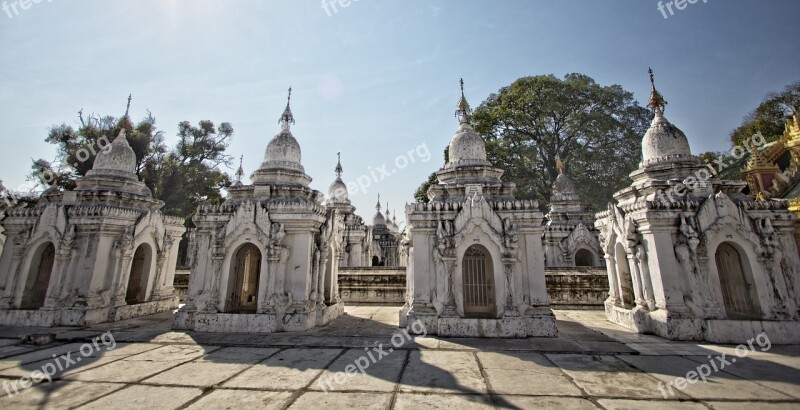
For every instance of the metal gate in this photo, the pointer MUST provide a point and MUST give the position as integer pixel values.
(247, 270)
(478, 276)
(737, 291)
(39, 279)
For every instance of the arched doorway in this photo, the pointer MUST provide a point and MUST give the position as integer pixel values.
(737, 288)
(139, 275)
(478, 278)
(376, 261)
(624, 274)
(38, 281)
(584, 258)
(246, 274)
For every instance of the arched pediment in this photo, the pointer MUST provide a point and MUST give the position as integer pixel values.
(480, 209)
(52, 220)
(478, 213)
(152, 222)
(249, 218)
(581, 235)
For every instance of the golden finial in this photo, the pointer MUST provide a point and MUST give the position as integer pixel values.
(559, 164)
(657, 102)
(463, 110)
(760, 196)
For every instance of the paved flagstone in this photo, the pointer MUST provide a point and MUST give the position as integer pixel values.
(593, 364)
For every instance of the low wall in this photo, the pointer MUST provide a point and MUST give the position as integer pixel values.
(181, 284)
(379, 285)
(577, 288)
(567, 288)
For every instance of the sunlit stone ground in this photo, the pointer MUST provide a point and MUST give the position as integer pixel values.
(592, 364)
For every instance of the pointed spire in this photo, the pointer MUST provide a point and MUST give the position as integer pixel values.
(657, 102)
(240, 171)
(128, 108)
(287, 119)
(378, 205)
(126, 119)
(339, 168)
(463, 111)
(559, 164)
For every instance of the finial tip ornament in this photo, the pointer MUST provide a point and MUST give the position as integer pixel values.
(240, 171)
(128, 108)
(339, 168)
(463, 111)
(559, 164)
(657, 102)
(287, 118)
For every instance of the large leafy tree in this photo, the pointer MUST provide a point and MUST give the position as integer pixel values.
(597, 131)
(190, 173)
(182, 177)
(77, 148)
(769, 118)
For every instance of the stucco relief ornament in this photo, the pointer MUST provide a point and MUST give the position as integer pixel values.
(631, 236)
(125, 242)
(685, 254)
(767, 235)
(510, 309)
(276, 235)
(510, 240)
(443, 269)
(315, 267)
(67, 242)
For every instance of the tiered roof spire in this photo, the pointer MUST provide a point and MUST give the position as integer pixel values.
(240, 171)
(128, 108)
(287, 119)
(463, 110)
(339, 168)
(657, 101)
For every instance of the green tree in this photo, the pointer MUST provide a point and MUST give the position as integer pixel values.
(769, 118)
(77, 148)
(596, 130)
(190, 173)
(421, 195)
(182, 177)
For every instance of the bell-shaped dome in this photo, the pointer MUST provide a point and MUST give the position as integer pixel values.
(338, 191)
(117, 159)
(283, 152)
(664, 140)
(467, 148)
(379, 219)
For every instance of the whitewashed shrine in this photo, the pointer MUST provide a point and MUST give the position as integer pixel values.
(689, 257)
(476, 262)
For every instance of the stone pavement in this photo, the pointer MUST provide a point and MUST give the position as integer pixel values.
(592, 364)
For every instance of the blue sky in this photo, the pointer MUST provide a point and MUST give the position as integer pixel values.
(375, 79)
